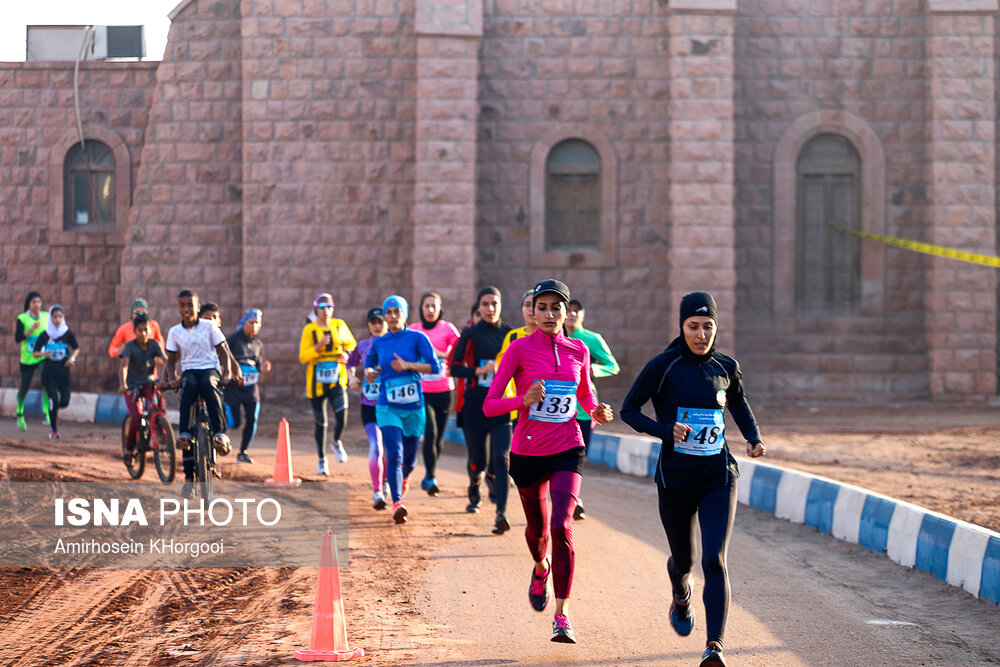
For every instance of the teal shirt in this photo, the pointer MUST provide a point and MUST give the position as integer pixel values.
(602, 363)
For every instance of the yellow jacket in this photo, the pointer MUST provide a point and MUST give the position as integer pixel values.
(323, 369)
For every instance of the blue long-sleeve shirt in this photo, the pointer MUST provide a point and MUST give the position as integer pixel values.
(396, 386)
(677, 380)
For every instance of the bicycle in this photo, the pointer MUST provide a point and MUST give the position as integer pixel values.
(204, 451)
(155, 434)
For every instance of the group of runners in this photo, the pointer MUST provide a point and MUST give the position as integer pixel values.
(526, 404)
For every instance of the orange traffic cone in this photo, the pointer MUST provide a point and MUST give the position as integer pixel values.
(329, 631)
(283, 460)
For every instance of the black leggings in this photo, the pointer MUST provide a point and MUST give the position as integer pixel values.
(321, 418)
(436, 406)
(28, 372)
(252, 410)
(499, 456)
(716, 509)
(57, 385)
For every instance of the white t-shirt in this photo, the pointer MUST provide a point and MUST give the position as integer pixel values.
(196, 345)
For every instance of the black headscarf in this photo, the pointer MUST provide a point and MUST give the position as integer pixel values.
(27, 300)
(693, 305)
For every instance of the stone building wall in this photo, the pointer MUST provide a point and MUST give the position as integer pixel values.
(78, 269)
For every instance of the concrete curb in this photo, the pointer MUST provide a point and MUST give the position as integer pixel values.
(959, 553)
(83, 407)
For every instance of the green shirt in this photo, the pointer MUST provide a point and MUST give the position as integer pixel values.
(26, 321)
(602, 362)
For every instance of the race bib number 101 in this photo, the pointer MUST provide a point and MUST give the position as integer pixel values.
(707, 436)
(327, 372)
(559, 404)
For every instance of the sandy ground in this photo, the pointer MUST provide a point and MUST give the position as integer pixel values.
(399, 607)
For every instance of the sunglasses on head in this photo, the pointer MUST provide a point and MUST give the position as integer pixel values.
(325, 305)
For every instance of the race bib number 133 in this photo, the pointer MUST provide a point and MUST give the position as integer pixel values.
(559, 404)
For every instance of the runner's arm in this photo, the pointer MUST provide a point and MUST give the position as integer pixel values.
(585, 388)
(642, 390)
(495, 404)
(116, 342)
(604, 363)
(458, 368)
(19, 334)
(739, 407)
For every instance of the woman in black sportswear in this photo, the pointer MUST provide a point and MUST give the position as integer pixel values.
(689, 385)
(484, 340)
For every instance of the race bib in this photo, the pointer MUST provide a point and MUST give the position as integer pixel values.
(250, 375)
(559, 404)
(484, 380)
(708, 432)
(402, 391)
(441, 375)
(327, 372)
(57, 351)
(370, 390)
(31, 342)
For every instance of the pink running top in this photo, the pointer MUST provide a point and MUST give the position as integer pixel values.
(443, 337)
(563, 363)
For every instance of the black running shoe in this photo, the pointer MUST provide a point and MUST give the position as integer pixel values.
(243, 457)
(475, 500)
(562, 631)
(682, 616)
(501, 525)
(538, 591)
(712, 657)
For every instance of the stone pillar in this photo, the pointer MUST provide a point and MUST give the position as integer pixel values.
(444, 209)
(701, 174)
(961, 301)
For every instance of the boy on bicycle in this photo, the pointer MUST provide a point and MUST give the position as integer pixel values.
(200, 346)
(141, 358)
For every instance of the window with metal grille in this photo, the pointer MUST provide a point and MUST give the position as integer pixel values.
(573, 198)
(828, 273)
(89, 195)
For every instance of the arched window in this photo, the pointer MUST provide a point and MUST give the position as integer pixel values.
(828, 261)
(573, 198)
(89, 194)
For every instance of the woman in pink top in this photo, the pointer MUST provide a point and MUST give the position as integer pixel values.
(437, 388)
(551, 374)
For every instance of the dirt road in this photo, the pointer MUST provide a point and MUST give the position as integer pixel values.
(442, 590)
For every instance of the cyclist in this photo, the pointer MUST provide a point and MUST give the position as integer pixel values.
(126, 331)
(551, 374)
(27, 328)
(369, 398)
(437, 388)
(141, 358)
(58, 347)
(248, 351)
(323, 349)
(484, 340)
(689, 385)
(397, 359)
(198, 345)
(602, 364)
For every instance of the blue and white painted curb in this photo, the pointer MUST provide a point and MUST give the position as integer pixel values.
(83, 407)
(959, 553)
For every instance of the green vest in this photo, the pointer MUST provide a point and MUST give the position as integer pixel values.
(28, 344)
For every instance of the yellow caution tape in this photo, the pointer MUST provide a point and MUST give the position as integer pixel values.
(926, 248)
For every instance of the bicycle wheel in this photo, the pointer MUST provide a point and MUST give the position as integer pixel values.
(201, 472)
(137, 465)
(164, 452)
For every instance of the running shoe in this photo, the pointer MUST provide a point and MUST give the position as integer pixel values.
(501, 525)
(385, 489)
(379, 501)
(184, 442)
(54, 435)
(21, 423)
(399, 512)
(682, 615)
(562, 631)
(475, 500)
(429, 484)
(321, 468)
(713, 655)
(243, 457)
(538, 591)
(45, 419)
(579, 514)
(406, 488)
(187, 491)
(337, 447)
(221, 444)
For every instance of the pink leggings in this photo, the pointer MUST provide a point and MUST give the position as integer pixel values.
(565, 489)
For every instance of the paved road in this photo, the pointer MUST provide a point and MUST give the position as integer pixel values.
(799, 597)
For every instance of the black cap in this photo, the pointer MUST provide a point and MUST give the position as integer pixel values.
(551, 285)
(374, 314)
(698, 303)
